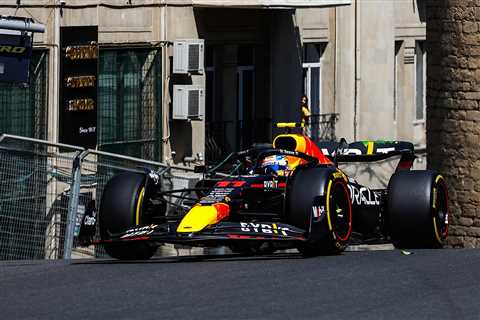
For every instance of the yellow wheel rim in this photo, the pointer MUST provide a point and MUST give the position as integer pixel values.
(139, 206)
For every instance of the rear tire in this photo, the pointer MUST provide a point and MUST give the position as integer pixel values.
(120, 209)
(417, 209)
(322, 191)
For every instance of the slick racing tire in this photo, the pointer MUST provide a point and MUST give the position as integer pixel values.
(120, 209)
(417, 209)
(318, 200)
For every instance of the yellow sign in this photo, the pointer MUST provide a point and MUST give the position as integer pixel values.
(80, 82)
(82, 52)
(81, 105)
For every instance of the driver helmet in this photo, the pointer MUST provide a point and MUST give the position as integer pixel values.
(277, 164)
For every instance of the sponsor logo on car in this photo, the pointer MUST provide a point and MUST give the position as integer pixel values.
(269, 228)
(270, 184)
(318, 213)
(142, 231)
(231, 184)
(90, 221)
(340, 175)
(363, 196)
(357, 152)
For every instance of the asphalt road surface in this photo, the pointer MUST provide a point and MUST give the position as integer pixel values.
(428, 284)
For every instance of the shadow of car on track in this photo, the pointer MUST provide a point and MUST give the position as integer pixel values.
(195, 258)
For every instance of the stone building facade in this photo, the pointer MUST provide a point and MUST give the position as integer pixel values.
(453, 114)
(361, 62)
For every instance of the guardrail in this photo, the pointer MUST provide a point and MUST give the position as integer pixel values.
(46, 186)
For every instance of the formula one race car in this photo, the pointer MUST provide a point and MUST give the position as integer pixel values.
(287, 195)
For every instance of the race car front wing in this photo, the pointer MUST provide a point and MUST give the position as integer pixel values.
(223, 232)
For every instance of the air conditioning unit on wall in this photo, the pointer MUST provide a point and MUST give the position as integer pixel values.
(188, 102)
(188, 56)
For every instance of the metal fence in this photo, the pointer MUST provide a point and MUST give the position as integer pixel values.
(321, 127)
(45, 188)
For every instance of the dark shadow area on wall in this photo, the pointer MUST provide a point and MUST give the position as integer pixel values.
(420, 6)
(182, 144)
(238, 78)
(287, 72)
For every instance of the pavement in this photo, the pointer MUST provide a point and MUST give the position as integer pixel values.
(385, 284)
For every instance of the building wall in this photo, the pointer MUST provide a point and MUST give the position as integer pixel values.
(290, 31)
(357, 63)
(453, 111)
(346, 78)
(409, 27)
(365, 70)
(187, 138)
(318, 26)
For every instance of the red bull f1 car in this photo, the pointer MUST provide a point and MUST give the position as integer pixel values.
(290, 194)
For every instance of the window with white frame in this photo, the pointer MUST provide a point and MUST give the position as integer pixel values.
(420, 80)
(312, 76)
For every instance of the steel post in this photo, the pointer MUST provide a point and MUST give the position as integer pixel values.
(73, 203)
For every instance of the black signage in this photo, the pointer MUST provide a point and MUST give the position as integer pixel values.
(78, 89)
(15, 53)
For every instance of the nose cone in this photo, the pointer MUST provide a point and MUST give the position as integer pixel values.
(200, 217)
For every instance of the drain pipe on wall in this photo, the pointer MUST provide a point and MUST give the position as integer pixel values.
(53, 114)
(166, 147)
(335, 63)
(358, 77)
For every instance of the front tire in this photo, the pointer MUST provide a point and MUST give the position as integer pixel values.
(120, 209)
(417, 209)
(318, 200)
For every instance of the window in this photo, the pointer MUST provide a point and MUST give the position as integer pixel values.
(420, 80)
(312, 86)
(312, 54)
(129, 102)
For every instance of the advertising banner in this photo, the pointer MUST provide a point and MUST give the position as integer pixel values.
(15, 54)
(78, 88)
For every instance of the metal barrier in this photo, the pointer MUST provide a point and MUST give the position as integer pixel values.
(321, 127)
(45, 187)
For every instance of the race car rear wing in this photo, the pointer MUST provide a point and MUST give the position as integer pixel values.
(370, 151)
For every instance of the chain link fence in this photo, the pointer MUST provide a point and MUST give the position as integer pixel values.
(46, 188)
